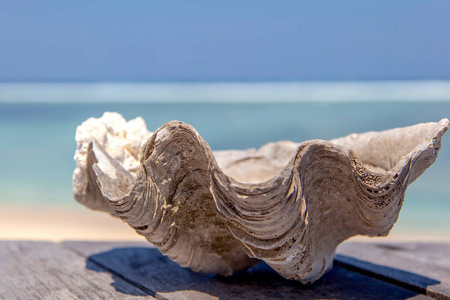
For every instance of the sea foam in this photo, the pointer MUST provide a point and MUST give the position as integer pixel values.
(238, 92)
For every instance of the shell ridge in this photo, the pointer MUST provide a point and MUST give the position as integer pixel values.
(189, 160)
(381, 217)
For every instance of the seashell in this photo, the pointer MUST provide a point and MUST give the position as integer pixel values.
(287, 204)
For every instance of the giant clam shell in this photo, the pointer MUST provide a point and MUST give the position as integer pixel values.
(287, 204)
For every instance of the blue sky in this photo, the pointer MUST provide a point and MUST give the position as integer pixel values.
(144, 40)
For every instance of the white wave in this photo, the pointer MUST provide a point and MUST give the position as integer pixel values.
(226, 92)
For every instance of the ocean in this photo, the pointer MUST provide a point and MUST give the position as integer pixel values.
(37, 133)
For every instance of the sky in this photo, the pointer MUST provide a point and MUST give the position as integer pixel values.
(146, 40)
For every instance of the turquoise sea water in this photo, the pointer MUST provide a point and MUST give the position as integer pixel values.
(37, 142)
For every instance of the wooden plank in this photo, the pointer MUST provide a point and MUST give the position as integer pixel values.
(185, 295)
(45, 270)
(131, 259)
(420, 267)
(142, 265)
(420, 297)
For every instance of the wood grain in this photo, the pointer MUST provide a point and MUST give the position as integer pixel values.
(145, 266)
(424, 268)
(45, 270)
(130, 270)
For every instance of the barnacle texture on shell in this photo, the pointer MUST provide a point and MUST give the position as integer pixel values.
(122, 141)
(288, 204)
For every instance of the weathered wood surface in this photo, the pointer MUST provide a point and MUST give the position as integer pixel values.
(45, 270)
(424, 268)
(115, 270)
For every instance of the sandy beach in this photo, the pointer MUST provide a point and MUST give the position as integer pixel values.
(57, 224)
(79, 223)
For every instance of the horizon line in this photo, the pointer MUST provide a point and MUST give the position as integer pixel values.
(235, 80)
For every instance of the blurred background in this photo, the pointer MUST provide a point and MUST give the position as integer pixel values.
(243, 73)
